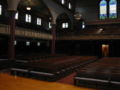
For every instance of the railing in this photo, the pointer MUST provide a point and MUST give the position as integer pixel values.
(22, 32)
(90, 37)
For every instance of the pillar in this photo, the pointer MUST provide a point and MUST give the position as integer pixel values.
(11, 47)
(12, 7)
(53, 46)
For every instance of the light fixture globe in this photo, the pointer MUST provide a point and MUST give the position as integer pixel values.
(77, 16)
(28, 8)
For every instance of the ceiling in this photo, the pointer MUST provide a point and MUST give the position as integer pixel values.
(37, 7)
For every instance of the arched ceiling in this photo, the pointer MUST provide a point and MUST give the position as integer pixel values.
(37, 7)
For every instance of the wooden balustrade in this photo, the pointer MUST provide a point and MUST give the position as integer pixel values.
(25, 33)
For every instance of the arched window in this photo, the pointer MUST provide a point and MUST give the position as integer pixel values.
(103, 9)
(113, 9)
(0, 9)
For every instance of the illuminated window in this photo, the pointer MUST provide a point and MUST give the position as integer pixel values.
(63, 1)
(83, 25)
(38, 44)
(50, 26)
(15, 42)
(113, 9)
(16, 16)
(103, 9)
(27, 43)
(39, 21)
(28, 18)
(0, 9)
(65, 25)
(69, 6)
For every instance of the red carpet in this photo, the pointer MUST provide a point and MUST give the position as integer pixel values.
(68, 80)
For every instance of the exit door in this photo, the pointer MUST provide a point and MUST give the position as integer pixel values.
(105, 50)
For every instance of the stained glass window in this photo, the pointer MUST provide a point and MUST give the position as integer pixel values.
(103, 9)
(113, 9)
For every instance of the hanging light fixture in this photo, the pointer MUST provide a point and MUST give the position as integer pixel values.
(28, 5)
(28, 8)
(77, 16)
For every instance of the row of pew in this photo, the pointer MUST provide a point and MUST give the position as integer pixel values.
(34, 57)
(51, 69)
(105, 73)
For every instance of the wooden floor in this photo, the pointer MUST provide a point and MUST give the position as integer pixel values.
(8, 82)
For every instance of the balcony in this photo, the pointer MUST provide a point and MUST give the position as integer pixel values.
(22, 32)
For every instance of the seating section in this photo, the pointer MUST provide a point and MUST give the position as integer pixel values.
(105, 73)
(31, 57)
(51, 69)
(5, 64)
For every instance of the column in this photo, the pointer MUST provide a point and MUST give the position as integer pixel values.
(12, 8)
(11, 47)
(53, 48)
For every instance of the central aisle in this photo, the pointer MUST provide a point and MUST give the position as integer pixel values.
(68, 79)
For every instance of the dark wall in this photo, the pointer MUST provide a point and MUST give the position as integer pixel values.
(22, 49)
(73, 3)
(90, 48)
(90, 9)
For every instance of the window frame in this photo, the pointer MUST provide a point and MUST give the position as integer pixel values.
(28, 18)
(111, 14)
(103, 15)
(39, 21)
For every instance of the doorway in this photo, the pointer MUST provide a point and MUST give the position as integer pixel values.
(105, 50)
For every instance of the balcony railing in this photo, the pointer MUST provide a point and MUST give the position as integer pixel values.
(22, 32)
(90, 37)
